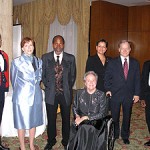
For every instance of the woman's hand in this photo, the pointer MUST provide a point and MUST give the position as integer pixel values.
(79, 119)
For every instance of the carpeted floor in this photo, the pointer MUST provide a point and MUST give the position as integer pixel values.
(139, 135)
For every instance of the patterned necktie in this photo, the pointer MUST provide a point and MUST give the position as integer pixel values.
(58, 77)
(125, 68)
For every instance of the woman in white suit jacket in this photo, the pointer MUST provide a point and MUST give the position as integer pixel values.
(25, 77)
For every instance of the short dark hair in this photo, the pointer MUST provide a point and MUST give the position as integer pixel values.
(58, 36)
(102, 40)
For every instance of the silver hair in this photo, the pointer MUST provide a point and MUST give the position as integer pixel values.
(124, 41)
(90, 72)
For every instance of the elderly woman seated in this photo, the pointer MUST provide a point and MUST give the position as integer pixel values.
(89, 109)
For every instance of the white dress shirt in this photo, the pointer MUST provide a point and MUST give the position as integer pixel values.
(60, 57)
(149, 79)
(123, 59)
(1, 62)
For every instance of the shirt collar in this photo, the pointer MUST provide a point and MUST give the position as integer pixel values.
(122, 59)
(60, 56)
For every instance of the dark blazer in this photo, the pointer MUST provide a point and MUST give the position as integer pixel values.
(145, 88)
(48, 76)
(115, 80)
(94, 64)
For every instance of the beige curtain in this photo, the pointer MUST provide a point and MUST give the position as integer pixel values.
(36, 17)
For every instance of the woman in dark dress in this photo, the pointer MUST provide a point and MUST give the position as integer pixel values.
(98, 63)
(89, 107)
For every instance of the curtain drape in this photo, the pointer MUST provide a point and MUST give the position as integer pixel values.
(36, 17)
(69, 32)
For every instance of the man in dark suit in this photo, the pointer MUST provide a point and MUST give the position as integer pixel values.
(145, 94)
(4, 83)
(59, 74)
(122, 82)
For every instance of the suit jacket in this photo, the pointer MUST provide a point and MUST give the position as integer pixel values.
(94, 64)
(48, 76)
(145, 88)
(115, 80)
(26, 81)
(5, 74)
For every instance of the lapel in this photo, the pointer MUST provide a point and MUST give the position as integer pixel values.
(26, 65)
(98, 61)
(120, 67)
(51, 60)
(64, 64)
(131, 68)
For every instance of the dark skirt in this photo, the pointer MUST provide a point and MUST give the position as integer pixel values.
(89, 135)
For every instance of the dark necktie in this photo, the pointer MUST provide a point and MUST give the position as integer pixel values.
(58, 77)
(58, 60)
(125, 68)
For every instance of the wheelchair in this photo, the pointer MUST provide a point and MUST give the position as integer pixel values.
(110, 137)
(104, 134)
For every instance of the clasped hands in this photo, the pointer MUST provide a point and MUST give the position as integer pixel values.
(79, 119)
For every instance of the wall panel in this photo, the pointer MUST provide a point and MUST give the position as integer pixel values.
(139, 32)
(110, 23)
(134, 19)
(145, 21)
(94, 25)
(116, 22)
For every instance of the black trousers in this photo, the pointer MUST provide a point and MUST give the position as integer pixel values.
(2, 101)
(126, 104)
(52, 115)
(147, 112)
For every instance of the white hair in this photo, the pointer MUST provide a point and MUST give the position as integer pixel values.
(90, 72)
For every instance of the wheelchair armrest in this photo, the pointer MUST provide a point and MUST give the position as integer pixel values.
(108, 117)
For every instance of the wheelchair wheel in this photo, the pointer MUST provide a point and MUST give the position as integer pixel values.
(110, 135)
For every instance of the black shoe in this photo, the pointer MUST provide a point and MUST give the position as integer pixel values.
(147, 143)
(126, 141)
(48, 147)
(3, 148)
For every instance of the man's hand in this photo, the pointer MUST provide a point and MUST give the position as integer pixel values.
(108, 93)
(135, 99)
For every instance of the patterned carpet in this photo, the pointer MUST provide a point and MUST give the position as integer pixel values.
(139, 135)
